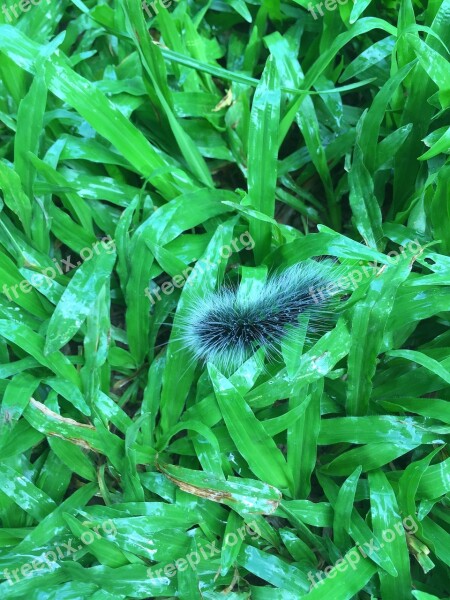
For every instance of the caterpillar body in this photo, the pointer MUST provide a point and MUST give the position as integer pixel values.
(225, 327)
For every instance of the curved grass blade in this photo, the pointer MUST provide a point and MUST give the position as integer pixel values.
(254, 444)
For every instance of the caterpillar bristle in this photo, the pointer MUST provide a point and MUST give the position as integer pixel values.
(225, 328)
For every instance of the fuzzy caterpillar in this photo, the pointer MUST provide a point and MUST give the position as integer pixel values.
(224, 327)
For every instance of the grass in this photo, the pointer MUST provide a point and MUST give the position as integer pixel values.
(134, 148)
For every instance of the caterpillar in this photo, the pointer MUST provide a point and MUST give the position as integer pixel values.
(225, 327)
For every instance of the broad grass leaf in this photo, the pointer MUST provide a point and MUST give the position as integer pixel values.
(254, 444)
(344, 582)
(246, 495)
(273, 569)
(79, 296)
(263, 154)
(343, 509)
(29, 129)
(15, 197)
(369, 321)
(435, 65)
(369, 456)
(25, 493)
(386, 517)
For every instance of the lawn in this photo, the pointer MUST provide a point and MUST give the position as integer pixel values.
(225, 300)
